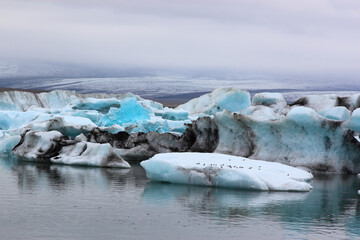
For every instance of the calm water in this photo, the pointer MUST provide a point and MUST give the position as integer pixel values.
(40, 201)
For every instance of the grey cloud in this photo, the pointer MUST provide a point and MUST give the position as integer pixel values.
(258, 35)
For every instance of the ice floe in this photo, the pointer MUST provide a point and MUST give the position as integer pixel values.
(220, 170)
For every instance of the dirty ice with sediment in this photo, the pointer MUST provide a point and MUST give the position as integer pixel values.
(315, 133)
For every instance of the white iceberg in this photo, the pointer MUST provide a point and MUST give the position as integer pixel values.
(220, 170)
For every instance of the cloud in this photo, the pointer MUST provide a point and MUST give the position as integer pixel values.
(258, 35)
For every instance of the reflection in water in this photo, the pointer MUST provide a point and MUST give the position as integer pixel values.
(31, 176)
(93, 203)
(221, 202)
(331, 208)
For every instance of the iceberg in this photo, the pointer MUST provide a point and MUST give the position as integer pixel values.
(220, 170)
(336, 113)
(121, 112)
(54, 147)
(323, 102)
(231, 99)
(317, 132)
(68, 125)
(301, 138)
(275, 101)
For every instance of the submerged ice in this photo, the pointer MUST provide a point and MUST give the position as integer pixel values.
(316, 132)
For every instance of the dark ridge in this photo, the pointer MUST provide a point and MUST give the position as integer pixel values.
(54, 150)
(84, 149)
(301, 101)
(323, 168)
(331, 124)
(357, 103)
(327, 143)
(177, 99)
(21, 140)
(346, 170)
(248, 136)
(111, 158)
(4, 89)
(200, 136)
(343, 102)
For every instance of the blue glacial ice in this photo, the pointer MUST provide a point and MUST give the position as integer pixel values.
(319, 132)
(231, 99)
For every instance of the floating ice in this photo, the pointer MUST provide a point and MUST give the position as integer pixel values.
(171, 114)
(273, 100)
(231, 99)
(354, 122)
(90, 154)
(67, 125)
(318, 132)
(54, 147)
(336, 113)
(302, 138)
(123, 112)
(100, 105)
(220, 170)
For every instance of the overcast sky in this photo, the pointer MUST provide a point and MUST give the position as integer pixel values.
(299, 36)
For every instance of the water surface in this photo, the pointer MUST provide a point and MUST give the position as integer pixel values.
(42, 201)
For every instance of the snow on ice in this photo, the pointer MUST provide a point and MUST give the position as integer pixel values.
(220, 170)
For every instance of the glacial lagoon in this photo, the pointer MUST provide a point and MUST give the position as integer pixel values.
(43, 201)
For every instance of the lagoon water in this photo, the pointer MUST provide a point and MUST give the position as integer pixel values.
(43, 201)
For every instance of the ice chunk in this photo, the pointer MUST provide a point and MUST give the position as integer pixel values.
(8, 142)
(36, 145)
(67, 125)
(23, 101)
(262, 112)
(130, 112)
(54, 147)
(100, 105)
(90, 154)
(336, 113)
(302, 138)
(317, 102)
(220, 170)
(274, 100)
(15, 119)
(231, 99)
(354, 122)
(172, 114)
